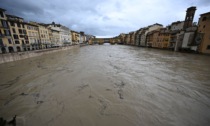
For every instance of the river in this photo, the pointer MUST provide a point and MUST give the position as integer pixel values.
(107, 85)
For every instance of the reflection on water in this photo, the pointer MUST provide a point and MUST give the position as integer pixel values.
(104, 85)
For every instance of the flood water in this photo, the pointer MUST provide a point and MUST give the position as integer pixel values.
(107, 85)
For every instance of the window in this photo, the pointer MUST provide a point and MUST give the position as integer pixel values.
(17, 42)
(29, 27)
(10, 41)
(15, 36)
(18, 24)
(13, 30)
(12, 23)
(4, 23)
(24, 31)
(1, 14)
(23, 42)
(21, 36)
(27, 42)
(208, 47)
(204, 19)
(7, 32)
(20, 31)
(204, 26)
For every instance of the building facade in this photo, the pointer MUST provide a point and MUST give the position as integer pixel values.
(33, 35)
(19, 34)
(203, 35)
(6, 42)
(188, 22)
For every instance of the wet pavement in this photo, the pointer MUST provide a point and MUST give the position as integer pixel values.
(103, 85)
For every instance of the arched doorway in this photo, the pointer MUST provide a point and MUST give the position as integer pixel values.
(3, 50)
(18, 49)
(11, 50)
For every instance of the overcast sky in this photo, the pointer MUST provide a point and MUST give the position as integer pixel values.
(104, 18)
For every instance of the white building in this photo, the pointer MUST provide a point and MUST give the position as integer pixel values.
(64, 32)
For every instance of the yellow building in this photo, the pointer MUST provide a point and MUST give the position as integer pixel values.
(33, 35)
(164, 38)
(127, 39)
(203, 34)
(19, 34)
(155, 43)
(6, 43)
(122, 38)
(158, 38)
(150, 39)
(44, 36)
(54, 38)
(75, 37)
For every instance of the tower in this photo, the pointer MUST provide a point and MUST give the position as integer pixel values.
(189, 17)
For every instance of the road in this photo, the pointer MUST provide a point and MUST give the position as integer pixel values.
(103, 85)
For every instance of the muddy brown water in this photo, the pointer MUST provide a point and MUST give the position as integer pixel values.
(103, 85)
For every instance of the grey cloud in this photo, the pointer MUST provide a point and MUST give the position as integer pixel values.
(100, 18)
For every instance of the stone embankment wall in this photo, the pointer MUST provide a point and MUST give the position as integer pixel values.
(10, 57)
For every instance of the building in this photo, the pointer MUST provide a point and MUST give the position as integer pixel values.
(164, 38)
(132, 38)
(44, 36)
(147, 30)
(178, 25)
(137, 37)
(33, 35)
(189, 17)
(122, 38)
(182, 36)
(19, 34)
(127, 39)
(142, 37)
(6, 42)
(64, 32)
(82, 37)
(54, 36)
(186, 40)
(203, 35)
(149, 39)
(75, 37)
(89, 39)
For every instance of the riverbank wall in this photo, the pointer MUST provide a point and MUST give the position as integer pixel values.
(10, 57)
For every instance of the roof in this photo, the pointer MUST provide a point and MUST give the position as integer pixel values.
(74, 31)
(205, 14)
(177, 22)
(29, 24)
(13, 16)
(1, 9)
(191, 8)
(155, 24)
